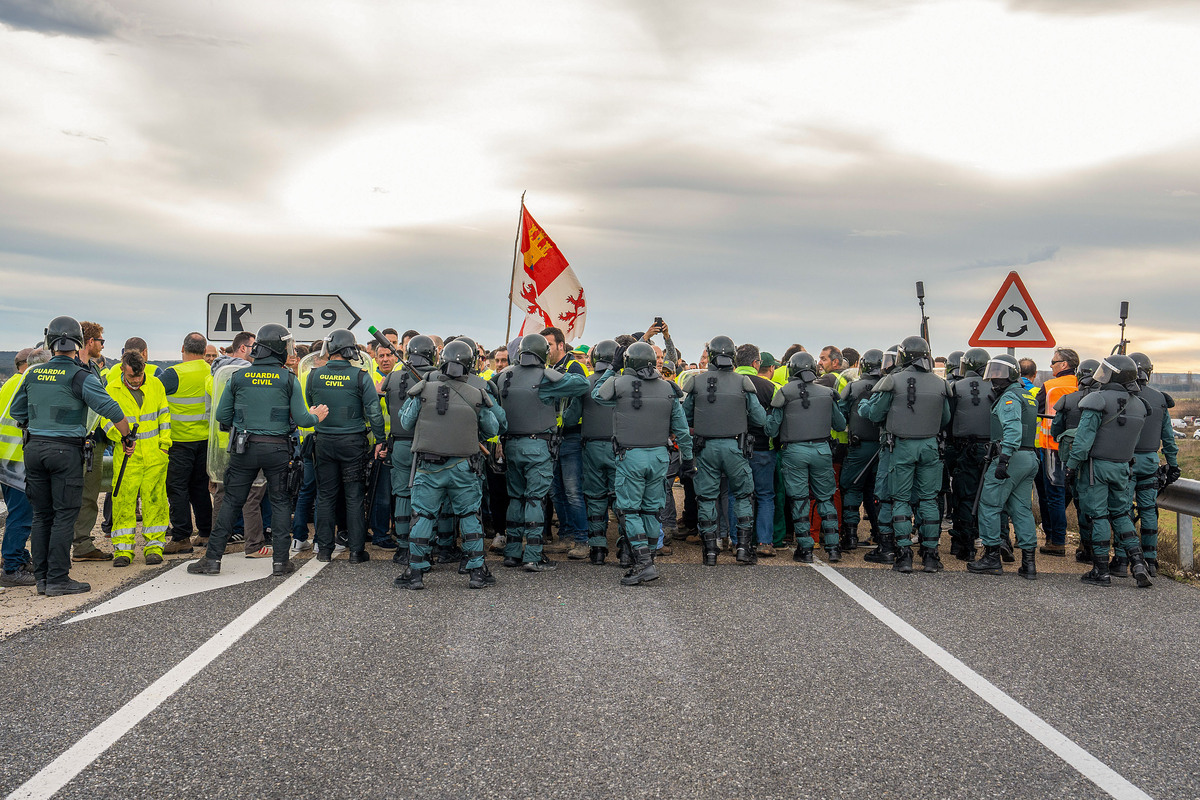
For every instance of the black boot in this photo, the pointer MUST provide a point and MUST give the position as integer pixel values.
(1099, 574)
(904, 558)
(885, 552)
(480, 577)
(833, 554)
(643, 569)
(1006, 549)
(711, 548)
(1028, 568)
(447, 554)
(205, 566)
(511, 561)
(849, 542)
(597, 555)
(624, 553)
(1119, 567)
(358, 556)
(401, 554)
(991, 563)
(1137, 565)
(743, 552)
(956, 545)
(281, 568)
(930, 560)
(1152, 565)
(803, 555)
(411, 579)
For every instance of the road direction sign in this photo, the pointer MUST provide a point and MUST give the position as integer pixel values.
(1012, 319)
(302, 314)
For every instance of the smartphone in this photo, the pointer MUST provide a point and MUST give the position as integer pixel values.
(658, 321)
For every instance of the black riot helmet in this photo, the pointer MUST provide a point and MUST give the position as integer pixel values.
(421, 351)
(641, 360)
(952, 362)
(457, 359)
(342, 343)
(534, 350)
(1002, 371)
(974, 360)
(273, 339)
(914, 352)
(889, 359)
(604, 354)
(1085, 373)
(870, 363)
(802, 367)
(721, 352)
(1144, 366)
(1117, 369)
(65, 334)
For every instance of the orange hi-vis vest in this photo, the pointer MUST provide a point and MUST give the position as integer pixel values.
(1053, 389)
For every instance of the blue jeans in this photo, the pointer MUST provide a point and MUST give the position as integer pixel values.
(762, 464)
(305, 502)
(16, 528)
(1054, 523)
(567, 490)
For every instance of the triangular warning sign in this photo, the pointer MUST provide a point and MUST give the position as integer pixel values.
(1012, 319)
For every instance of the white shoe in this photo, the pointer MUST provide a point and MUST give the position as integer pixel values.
(338, 548)
(299, 546)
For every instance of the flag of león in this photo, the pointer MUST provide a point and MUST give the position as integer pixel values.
(545, 288)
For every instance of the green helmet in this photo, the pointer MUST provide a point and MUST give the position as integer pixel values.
(1086, 371)
(342, 343)
(889, 359)
(1144, 366)
(802, 367)
(533, 351)
(641, 359)
(952, 362)
(1117, 369)
(974, 360)
(1002, 370)
(275, 339)
(721, 352)
(421, 351)
(870, 363)
(457, 359)
(64, 333)
(914, 352)
(604, 353)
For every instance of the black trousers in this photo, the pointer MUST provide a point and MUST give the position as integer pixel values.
(339, 467)
(187, 489)
(54, 486)
(272, 458)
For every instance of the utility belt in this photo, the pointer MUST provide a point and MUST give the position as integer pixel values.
(552, 440)
(597, 438)
(72, 441)
(257, 438)
(429, 459)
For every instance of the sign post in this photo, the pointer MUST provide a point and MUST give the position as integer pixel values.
(1012, 320)
(230, 314)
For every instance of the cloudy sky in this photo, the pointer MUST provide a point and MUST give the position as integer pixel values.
(776, 172)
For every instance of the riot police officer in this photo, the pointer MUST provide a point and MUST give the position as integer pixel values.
(1013, 426)
(262, 403)
(528, 390)
(646, 413)
(51, 405)
(1067, 414)
(341, 441)
(1156, 433)
(419, 357)
(599, 460)
(971, 401)
(1110, 424)
(802, 414)
(858, 472)
(885, 540)
(447, 416)
(720, 405)
(913, 404)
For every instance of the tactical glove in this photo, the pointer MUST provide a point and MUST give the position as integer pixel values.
(1173, 474)
(1002, 468)
(687, 467)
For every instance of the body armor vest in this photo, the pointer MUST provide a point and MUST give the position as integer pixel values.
(1070, 408)
(597, 419)
(917, 402)
(1151, 437)
(1122, 417)
(973, 400)
(395, 391)
(719, 398)
(642, 415)
(856, 424)
(340, 390)
(262, 398)
(448, 424)
(54, 406)
(807, 411)
(519, 398)
(1028, 416)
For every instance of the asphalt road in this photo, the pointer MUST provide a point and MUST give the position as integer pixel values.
(730, 682)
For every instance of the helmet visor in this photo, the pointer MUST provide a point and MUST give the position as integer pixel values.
(1105, 373)
(999, 370)
(889, 361)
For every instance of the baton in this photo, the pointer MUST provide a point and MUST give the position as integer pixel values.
(383, 341)
(858, 478)
(125, 463)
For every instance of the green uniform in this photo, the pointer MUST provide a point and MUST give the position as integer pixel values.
(1014, 432)
(1155, 433)
(395, 393)
(859, 469)
(599, 465)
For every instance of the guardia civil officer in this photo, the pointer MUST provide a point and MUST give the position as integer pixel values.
(1156, 433)
(646, 412)
(262, 403)
(913, 404)
(802, 414)
(599, 460)
(528, 391)
(419, 357)
(720, 405)
(51, 405)
(448, 416)
(858, 471)
(1110, 424)
(1009, 486)
(971, 401)
(1067, 414)
(885, 540)
(341, 441)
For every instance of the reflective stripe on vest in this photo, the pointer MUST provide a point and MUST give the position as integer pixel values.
(1054, 389)
(191, 402)
(12, 453)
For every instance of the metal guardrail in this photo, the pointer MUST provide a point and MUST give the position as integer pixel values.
(1182, 497)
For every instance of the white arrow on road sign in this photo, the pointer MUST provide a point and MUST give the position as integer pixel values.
(1012, 319)
(302, 314)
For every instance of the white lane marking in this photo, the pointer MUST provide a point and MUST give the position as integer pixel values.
(61, 770)
(177, 582)
(1081, 760)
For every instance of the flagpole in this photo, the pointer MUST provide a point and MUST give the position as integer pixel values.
(513, 278)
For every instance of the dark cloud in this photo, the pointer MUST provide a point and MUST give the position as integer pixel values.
(93, 19)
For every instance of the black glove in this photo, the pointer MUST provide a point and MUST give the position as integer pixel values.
(687, 467)
(1070, 476)
(129, 440)
(1173, 474)
(1002, 468)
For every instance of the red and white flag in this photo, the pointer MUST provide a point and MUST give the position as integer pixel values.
(545, 288)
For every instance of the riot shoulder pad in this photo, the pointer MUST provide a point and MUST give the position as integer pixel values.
(886, 384)
(846, 392)
(689, 380)
(413, 391)
(1170, 400)
(487, 400)
(778, 400)
(553, 375)
(675, 388)
(1093, 402)
(748, 385)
